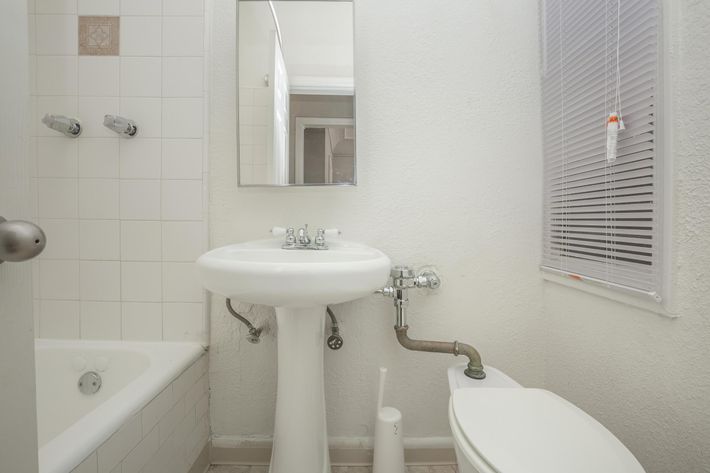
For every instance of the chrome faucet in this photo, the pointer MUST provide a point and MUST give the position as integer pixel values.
(302, 240)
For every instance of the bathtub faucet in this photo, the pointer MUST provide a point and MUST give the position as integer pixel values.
(123, 126)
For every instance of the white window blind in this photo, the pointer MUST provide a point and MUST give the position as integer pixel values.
(602, 219)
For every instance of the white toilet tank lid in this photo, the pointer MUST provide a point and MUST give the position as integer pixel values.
(524, 430)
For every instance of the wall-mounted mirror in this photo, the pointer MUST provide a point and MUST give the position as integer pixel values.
(296, 93)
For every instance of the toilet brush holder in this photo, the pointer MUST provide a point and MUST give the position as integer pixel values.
(389, 444)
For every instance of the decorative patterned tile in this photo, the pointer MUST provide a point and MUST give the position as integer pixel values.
(98, 35)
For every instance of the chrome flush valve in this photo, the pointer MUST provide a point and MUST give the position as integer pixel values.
(404, 278)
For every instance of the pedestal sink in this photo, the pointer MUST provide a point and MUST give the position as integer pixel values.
(299, 284)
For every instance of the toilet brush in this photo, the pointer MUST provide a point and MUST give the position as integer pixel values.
(389, 447)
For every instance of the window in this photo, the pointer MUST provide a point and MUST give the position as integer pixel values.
(602, 216)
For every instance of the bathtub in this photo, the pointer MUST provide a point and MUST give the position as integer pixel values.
(151, 406)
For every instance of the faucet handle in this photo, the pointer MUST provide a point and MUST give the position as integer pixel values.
(278, 231)
(289, 241)
(320, 239)
(303, 237)
(331, 233)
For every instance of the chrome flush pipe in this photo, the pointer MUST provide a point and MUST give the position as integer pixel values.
(403, 279)
(473, 370)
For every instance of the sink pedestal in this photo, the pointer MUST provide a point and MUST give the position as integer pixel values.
(300, 433)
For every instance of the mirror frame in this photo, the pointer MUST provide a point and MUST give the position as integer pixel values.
(354, 119)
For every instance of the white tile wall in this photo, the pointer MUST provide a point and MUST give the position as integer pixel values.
(181, 199)
(65, 241)
(98, 7)
(183, 7)
(140, 200)
(166, 436)
(55, 6)
(98, 198)
(141, 35)
(99, 240)
(101, 320)
(141, 240)
(59, 319)
(91, 114)
(124, 218)
(141, 281)
(140, 158)
(98, 75)
(56, 157)
(141, 7)
(253, 132)
(98, 157)
(56, 35)
(182, 159)
(183, 36)
(56, 75)
(141, 76)
(182, 77)
(142, 320)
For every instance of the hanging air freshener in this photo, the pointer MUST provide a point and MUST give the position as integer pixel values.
(613, 125)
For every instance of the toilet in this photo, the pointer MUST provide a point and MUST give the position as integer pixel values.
(501, 427)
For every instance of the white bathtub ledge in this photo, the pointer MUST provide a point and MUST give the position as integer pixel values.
(113, 429)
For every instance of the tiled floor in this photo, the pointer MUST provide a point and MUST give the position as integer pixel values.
(335, 469)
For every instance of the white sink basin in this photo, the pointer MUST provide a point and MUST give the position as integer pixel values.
(299, 284)
(260, 272)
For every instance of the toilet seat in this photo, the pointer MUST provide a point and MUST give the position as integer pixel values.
(519, 430)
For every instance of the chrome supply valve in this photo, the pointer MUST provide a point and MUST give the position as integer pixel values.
(335, 340)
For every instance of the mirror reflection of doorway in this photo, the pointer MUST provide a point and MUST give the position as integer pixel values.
(325, 150)
(328, 155)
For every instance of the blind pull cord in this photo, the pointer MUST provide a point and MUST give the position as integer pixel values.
(614, 122)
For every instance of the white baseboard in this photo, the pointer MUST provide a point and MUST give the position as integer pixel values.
(250, 450)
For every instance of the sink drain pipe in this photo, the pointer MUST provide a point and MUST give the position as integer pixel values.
(254, 335)
(403, 279)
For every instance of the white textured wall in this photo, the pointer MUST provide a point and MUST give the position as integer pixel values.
(644, 376)
(449, 174)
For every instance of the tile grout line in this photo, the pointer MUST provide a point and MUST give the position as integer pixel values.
(120, 221)
(162, 138)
